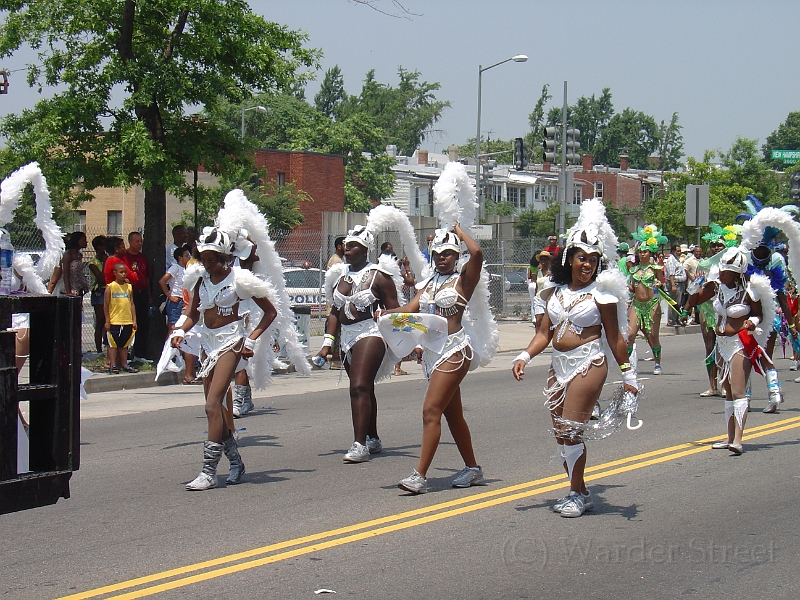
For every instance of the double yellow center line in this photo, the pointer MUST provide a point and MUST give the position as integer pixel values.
(250, 559)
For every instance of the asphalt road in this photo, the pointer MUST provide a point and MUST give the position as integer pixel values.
(673, 519)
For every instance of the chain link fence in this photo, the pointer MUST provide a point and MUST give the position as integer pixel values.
(506, 261)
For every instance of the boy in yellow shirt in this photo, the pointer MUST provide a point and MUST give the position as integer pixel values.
(120, 320)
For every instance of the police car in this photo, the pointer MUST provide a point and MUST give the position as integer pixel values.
(305, 288)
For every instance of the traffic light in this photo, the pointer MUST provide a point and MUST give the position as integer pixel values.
(520, 161)
(573, 145)
(794, 185)
(550, 144)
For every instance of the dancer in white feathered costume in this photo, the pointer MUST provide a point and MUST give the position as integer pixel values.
(26, 275)
(741, 305)
(457, 293)
(356, 289)
(218, 291)
(585, 320)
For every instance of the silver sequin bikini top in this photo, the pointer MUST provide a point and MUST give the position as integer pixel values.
(440, 295)
(221, 295)
(361, 296)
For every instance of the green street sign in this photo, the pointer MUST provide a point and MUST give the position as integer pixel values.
(788, 157)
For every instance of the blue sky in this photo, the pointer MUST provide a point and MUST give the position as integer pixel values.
(726, 67)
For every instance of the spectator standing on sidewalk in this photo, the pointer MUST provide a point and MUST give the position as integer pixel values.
(172, 285)
(139, 276)
(180, 237)
(338, 254)
(120, 314)
(675, 276)
(98, 288)
(74, 278)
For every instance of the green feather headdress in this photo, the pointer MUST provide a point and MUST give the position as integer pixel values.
(649, 236)
(728, 235)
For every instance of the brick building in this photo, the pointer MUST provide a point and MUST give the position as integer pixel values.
(320, 175)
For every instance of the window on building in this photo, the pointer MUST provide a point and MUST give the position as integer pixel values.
(516, 196)
(79, 220)
(598, 189)
(416, 197)
(577, 195)
(114, 222)
(495, 192)
(281, 179)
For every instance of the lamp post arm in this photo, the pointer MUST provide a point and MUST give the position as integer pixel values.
(495, 65)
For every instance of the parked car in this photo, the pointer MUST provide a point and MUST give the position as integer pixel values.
(305, 287)
(516, 281)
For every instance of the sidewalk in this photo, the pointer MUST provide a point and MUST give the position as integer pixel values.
(514, 337)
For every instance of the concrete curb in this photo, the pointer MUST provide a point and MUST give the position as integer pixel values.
(515, 334)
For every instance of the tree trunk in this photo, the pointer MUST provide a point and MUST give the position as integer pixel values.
(155, 243)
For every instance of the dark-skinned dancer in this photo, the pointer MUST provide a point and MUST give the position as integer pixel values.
(359, 291)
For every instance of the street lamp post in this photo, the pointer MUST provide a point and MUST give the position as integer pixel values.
(481, 69)
(260, 109)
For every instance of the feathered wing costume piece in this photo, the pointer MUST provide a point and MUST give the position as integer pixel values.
(760, 284)
(240, 218)
(753, 232)
(384, 217)
(455, 202)
(10, 193)
(727, 235)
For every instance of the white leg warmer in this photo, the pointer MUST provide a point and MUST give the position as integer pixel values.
(773, 386)
(740, 409)
(560, 452)
(571, 455)
(728, 410)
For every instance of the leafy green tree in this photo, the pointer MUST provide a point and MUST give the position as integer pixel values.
(533, 141)
(331, 93)
(746, 168)
(785, 137)
(591, 115)
(405, 113)
(617, 219)
(506, 147)
(630, 132)
(670, 144)
(668, 211)
(279, 203)
(505, 209)
(540, 223)
(368, 174)
(124, 74)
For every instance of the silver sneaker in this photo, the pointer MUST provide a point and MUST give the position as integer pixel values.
(588, 503)
(374, 445)
(469, 476)
(574, 506)
(414, 483)
(358, 453)
(657, 369)
(794, 365)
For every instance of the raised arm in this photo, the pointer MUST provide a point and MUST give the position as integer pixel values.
(471, 273)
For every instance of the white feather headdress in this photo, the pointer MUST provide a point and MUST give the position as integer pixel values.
(592, 232)
(455, 200)
(10, 194)
(753, 231)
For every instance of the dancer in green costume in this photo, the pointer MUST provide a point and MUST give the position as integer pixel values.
(644, 280)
